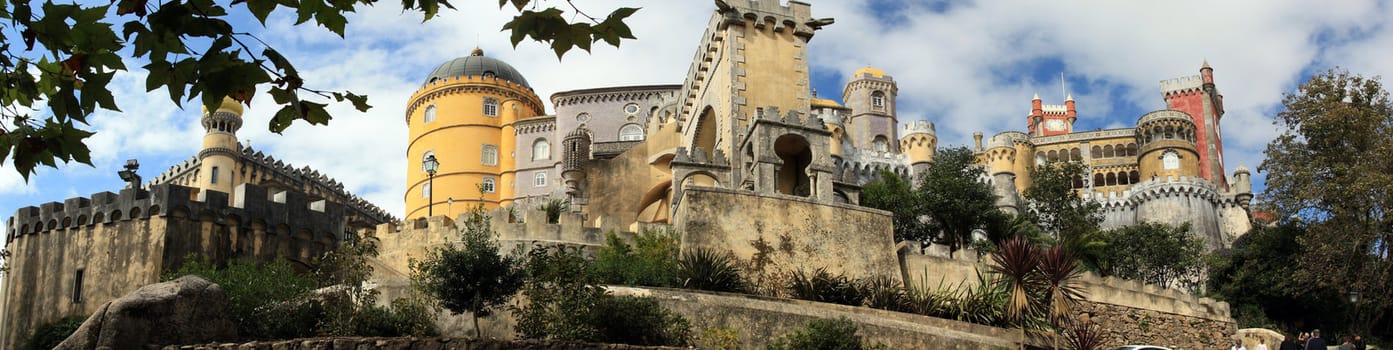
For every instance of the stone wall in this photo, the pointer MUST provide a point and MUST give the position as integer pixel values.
(760, 321)
(407, 343)
(121, 242)
(1126, 325)
(773, 235)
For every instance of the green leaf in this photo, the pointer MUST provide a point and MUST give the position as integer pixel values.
(261, 9)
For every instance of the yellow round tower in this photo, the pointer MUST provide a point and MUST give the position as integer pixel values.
(463, 116)
(1167, 139)
(918, 142)
(219, 156)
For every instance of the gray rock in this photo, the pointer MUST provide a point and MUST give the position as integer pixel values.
(188, 310)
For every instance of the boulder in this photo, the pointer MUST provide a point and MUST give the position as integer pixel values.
(188, 310)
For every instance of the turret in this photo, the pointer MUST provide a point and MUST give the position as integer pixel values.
(1242, 186)
(919, 143)
(1050, 120)
(1167, 145)
(1197, 96)
(219, 156)
(574, 156)
(1001, 159)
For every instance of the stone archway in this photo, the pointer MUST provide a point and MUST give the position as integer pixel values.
(792, 176)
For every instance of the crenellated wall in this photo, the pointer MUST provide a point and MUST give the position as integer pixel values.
(120, 242)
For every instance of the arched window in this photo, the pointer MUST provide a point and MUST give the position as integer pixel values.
(1108, 151)
(631, 132)
(878, 100)
(1136, 177)
(881, 144)
(488, 185)
(1054, 156)
(425, 190)
(541, 150)
(490, 107)
(540, 180)
(1096, 153)
(1170, 160)
(490, 155)
(1098, 180)
(1039, 158)
(213, 177)
(1075, 155)
(430, 114)
(425, 156)
(1112, 179)
(1131, 150)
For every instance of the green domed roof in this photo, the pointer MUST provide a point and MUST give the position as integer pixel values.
(477, 65)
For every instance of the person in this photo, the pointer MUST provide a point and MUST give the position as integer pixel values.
(1315, 342)
(1359, 343)
(1346, 344)
(1262, 343)
(1237, 345)
(1289, 344)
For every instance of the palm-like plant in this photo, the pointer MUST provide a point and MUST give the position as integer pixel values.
(1084, 335)
(1017, 263)
(707, 269)
(1060, 272)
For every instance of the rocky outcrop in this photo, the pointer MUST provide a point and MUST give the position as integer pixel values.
(188, 310)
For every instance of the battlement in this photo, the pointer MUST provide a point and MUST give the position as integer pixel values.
(1164, 114)
(918, 127)
(796, 16)
(1181, 85)
(1007, 139)
(1055, 109)
(254, 204)
(1171, 186)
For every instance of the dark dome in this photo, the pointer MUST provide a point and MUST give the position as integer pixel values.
(475, 65)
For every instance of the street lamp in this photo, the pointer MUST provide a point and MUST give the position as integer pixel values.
(1353, 297)
(430, 165)
(129, 175)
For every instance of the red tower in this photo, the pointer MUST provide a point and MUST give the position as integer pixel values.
(1050, 120)
(1196, 95)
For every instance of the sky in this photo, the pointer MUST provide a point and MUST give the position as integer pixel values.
(966, 66)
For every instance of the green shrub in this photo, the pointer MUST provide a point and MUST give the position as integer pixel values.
(470, 277)
(983, 303)
(822, 286)
(564, 303)
(719, 338)
(650, 261)
(554, 207)
(707, 269)
(403, 317)
(822, 334)
(266, 301)
(48, 335)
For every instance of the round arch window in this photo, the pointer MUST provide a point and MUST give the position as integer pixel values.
(631, 108)
(631, 132)
(583, 117)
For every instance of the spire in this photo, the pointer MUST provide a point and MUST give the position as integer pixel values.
(1070, 97)
(1037, 96)
(1206, 64)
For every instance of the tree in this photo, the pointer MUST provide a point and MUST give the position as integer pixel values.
(1256, 277)
(955, 199)
(471, 277)
(66, 54)
(1057, 210)
(894, 194)
(1332, 167)
(1154, 254)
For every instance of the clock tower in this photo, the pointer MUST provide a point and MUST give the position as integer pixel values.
(1050, 120)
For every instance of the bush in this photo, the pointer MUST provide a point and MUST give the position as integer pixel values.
(266, 301)
(706, 269)
(48, 335)
(823, 334)
(719, 338)
(554, 207)
(651, 261)
(472, 277)
(403, 317)
(564, 303)
(886, 293)
(824, 287)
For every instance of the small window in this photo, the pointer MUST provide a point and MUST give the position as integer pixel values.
(1170, 160)
(488, 74)
(541, 150)
(631, 132)
(77, 287)
(631, 108)
(490, 107)
(583, 117)
(878, 100)
(488, 185)
(880, 144)
(430, 114)
(541, 179)
(213, 177)
(425, 190)
(490, 155)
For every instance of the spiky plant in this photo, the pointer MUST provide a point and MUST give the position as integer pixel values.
(1082, 335)
(1060, 273)
(1016, 262)
(887, 293)
(822, 286)
(554, 207)
(708, 269)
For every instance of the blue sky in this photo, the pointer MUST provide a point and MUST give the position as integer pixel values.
(966, 66)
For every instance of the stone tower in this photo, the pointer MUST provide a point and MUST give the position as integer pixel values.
(870, 94)
(1001, 159)
(752, 56)
(1196, 96)
(219, 156)
(1242, 186)
(919, 143)
(1050, 120)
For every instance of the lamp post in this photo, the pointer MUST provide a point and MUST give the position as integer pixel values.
(1354, 311)
(129, 175)
(430, 165)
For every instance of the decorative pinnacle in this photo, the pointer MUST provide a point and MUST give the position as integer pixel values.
(1037, 96)
(1206, 63)
(476, 52)
(1070, 97)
